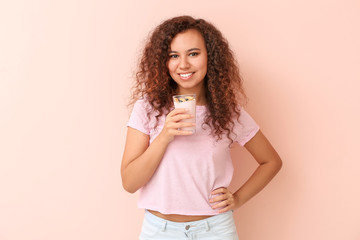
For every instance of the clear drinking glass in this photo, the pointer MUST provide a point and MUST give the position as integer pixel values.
(187, 101)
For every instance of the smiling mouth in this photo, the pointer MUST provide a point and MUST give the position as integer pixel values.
(186, 75)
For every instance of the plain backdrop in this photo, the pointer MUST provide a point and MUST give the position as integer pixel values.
(66, 68)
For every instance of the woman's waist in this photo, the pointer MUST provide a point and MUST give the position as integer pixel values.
(179, 217)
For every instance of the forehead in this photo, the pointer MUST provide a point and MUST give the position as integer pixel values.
(189, 39)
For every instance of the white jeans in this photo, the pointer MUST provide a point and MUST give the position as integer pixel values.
(218, 227)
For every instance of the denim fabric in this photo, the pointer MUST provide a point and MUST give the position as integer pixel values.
(218, 227)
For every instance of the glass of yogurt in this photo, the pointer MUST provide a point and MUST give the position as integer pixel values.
(187, 101)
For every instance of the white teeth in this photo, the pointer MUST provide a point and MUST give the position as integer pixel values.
(186, 75)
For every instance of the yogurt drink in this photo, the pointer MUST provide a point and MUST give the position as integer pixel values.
(187, 101)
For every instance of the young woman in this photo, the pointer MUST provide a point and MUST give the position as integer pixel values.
(183, 176)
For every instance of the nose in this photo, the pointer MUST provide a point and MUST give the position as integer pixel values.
(184, 63)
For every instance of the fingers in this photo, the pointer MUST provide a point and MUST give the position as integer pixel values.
(225, 209)
(220, 190)
(225, 200)
(219, 198)
(177, 111)
(178, 114)
(180, 117)
(175, 122)
(177, 125)
(228, 204)
(182, 132)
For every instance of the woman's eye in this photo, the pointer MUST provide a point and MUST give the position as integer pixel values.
(174, 56)
(193, 54)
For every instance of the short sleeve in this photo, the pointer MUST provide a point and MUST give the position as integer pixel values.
(246, 128)
(139, 118)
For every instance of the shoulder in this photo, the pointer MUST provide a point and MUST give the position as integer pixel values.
(142, 104)
(245, 127)
(244, 115)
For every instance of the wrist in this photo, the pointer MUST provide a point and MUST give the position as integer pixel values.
(239, 201)
(163, 139)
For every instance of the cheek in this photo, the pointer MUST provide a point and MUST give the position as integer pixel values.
(203, 63)
(171, 66)
(203, 67)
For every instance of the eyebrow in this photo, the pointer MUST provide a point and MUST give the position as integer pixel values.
(191, 49)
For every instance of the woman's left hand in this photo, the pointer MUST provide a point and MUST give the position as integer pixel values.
(225, 200)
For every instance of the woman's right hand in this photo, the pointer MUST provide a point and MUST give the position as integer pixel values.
(140, 160)
(173, 124)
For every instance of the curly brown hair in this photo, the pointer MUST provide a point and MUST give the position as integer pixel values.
(223, 85)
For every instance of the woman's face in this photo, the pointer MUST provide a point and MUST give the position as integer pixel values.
(187, 62)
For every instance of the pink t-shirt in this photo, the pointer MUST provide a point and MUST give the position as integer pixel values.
(192, 166)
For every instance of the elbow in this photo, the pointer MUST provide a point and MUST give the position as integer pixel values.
(129, 190)
(275, 163)
(126, 182)
(279, 164)
(129, 187)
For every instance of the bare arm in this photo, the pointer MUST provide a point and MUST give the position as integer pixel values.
(140, 160)
(269, 165)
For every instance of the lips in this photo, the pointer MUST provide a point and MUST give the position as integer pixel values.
(185, 76)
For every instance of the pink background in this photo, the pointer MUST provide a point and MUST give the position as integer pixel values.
(65, 73)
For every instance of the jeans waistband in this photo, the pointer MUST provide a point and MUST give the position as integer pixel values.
(209, 220)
